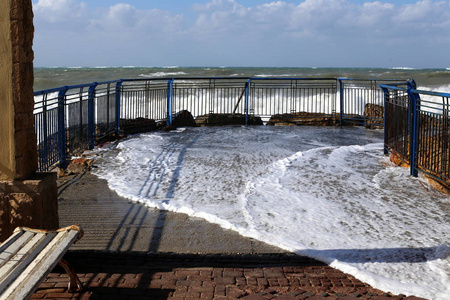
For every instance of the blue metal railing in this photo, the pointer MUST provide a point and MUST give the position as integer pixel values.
(417, 129)
(71, 119)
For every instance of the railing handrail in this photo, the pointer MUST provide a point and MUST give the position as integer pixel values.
(393, 87)
(71, 87)
(431, 93)
(367, 79)
(84, 85)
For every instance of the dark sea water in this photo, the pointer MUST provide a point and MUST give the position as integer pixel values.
(46, 78)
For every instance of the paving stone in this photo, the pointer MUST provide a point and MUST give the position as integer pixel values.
(285, 297)
(253, 297)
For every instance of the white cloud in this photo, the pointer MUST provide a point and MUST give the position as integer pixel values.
(125, 17)
(54, 11)
(311, 27)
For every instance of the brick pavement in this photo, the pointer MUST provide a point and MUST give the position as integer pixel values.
(137, 275)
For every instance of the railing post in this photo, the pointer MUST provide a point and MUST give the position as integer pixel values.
(62, 140)
(169, 101)
(247, 93)
(91, 115)
(386, 99)
(44, 131)
(341, 101)
(118, 106)
(414, 130)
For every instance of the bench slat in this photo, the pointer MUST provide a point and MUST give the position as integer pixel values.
(11, 279)
(11, 240)
(11, 246)
(46, 260)
(16, 255)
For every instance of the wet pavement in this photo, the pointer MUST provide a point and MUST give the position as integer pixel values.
(130, 251)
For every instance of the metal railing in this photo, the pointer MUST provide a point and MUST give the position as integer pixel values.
(71, 119)
(270, 96)
(359, 100)
(417, 129)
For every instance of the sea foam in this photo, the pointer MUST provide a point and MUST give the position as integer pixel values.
(324, 192)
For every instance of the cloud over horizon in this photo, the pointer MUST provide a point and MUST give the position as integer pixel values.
(227, 32)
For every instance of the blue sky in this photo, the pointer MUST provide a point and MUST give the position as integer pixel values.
(257, 33)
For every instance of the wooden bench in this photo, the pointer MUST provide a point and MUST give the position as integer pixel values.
(29, 255)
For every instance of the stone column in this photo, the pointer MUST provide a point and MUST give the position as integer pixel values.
(26, 198)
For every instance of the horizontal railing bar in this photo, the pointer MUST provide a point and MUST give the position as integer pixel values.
(431, 93)
(71, 87)
(368, 79)
(396, 88)
(291, 78)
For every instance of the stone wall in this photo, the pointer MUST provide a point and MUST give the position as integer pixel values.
(18, 152)
(28, 203)
(26, 197)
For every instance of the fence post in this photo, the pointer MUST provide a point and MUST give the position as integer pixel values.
(247, 93)
(118, 98)
(341, 101)
(414, 130)
(91, 115)
(169, 101)
(62, 140)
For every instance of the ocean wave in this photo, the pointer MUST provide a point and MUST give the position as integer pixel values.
(163, 74)
(404, 68)
(280, 75)
(437, 89)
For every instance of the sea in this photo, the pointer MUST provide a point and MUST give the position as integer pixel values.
(47, 78)
(325, 192)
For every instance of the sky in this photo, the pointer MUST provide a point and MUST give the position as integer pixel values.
(242, 33)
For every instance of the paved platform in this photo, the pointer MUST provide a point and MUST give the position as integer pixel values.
(130, 251)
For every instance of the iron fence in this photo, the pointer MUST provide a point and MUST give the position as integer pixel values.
(361, 101)
(71, 119)
(272, 96)
(417, 129)
(146, 98)
(202, 96)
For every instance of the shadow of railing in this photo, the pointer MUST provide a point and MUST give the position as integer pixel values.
(137, 214)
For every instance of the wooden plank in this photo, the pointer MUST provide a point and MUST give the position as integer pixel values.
(33, 249)
(10, 240)
(37, 270)
(17, 257)
(20, 239)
